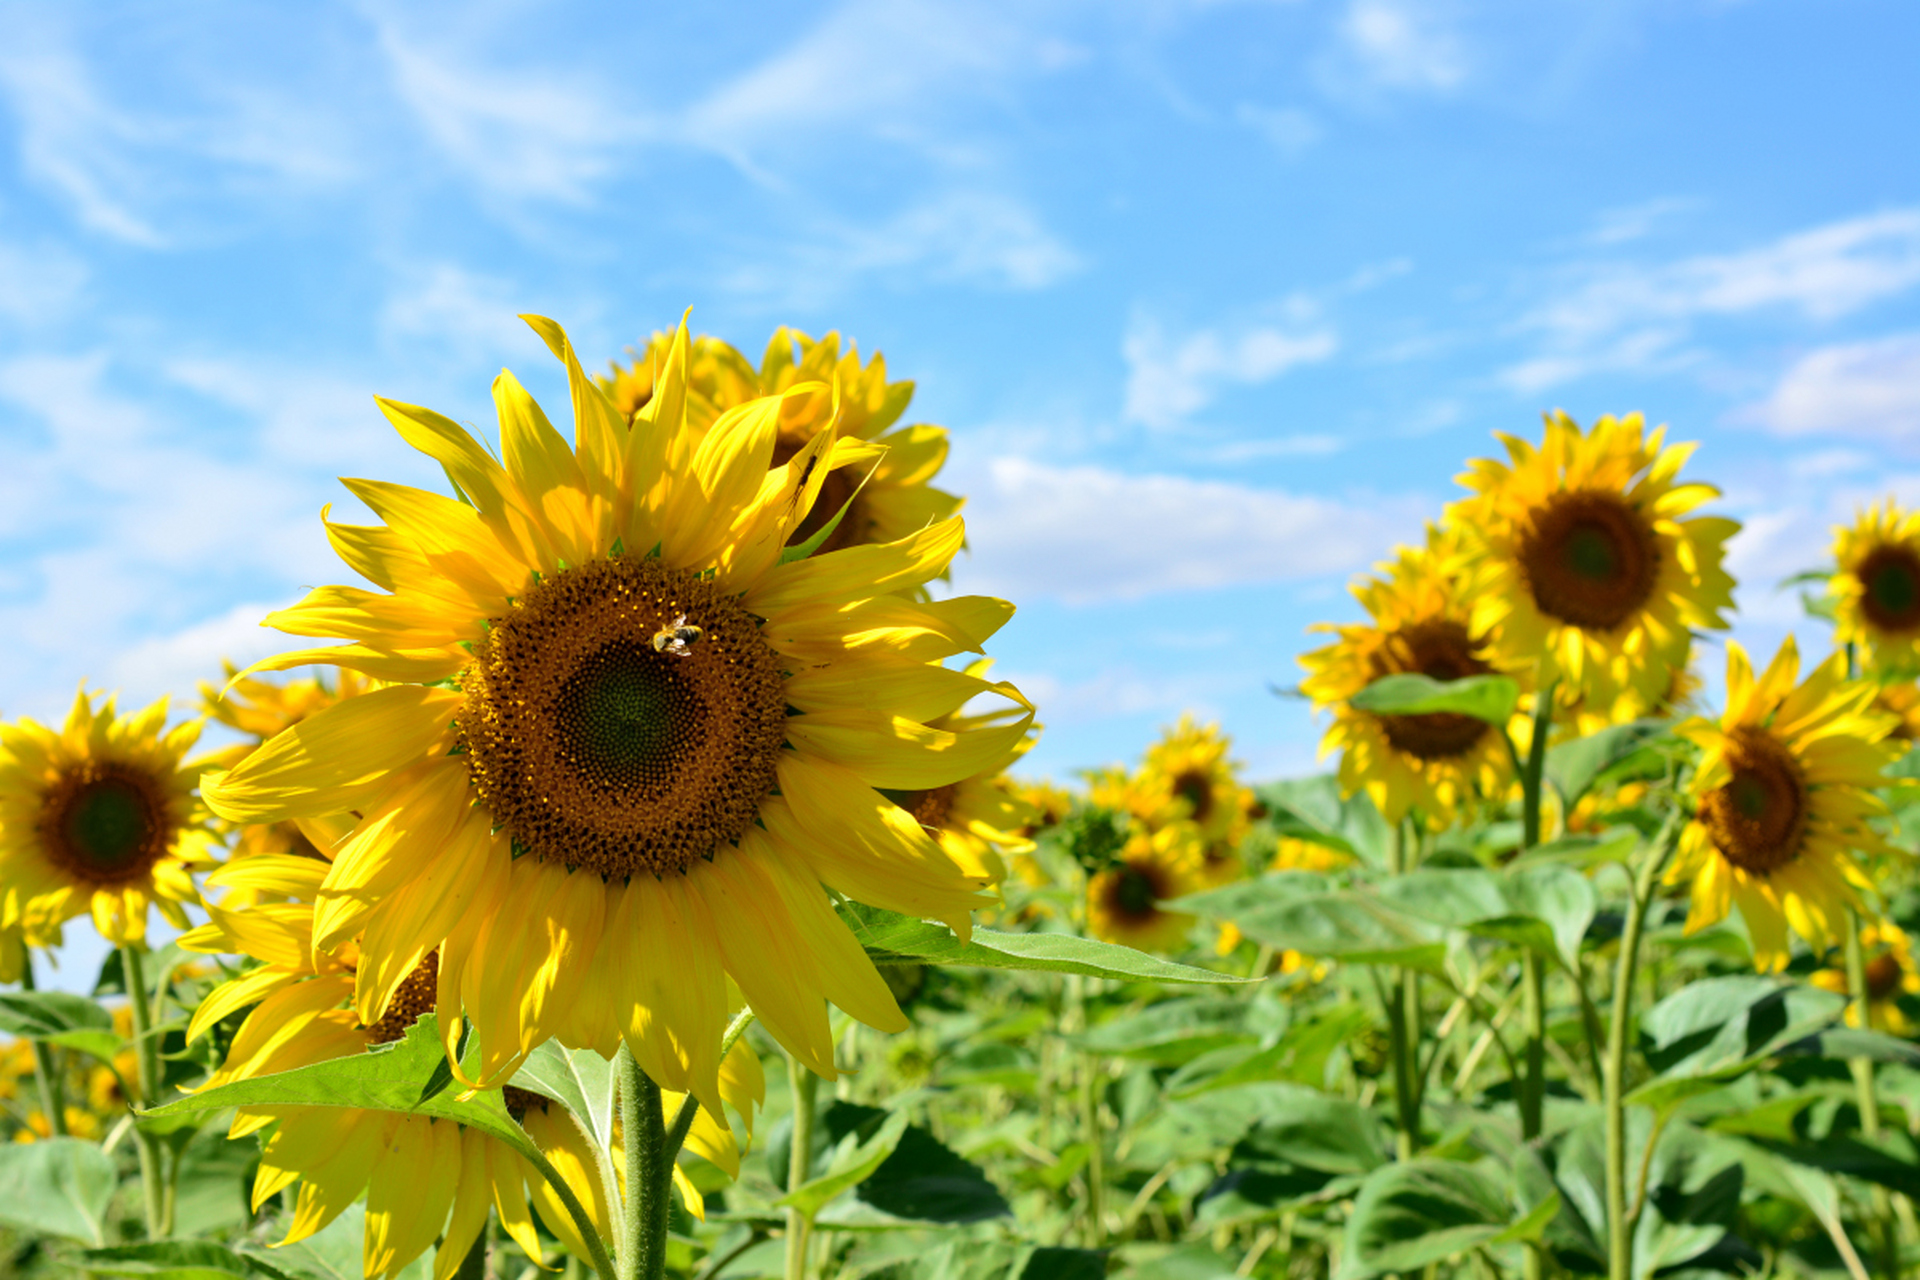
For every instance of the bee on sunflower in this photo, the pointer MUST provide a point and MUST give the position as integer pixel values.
(1783, 795)
(101, 817)
(1587, 565)
(879, 476)
(1126, 901)
(1890, 974)
(1419, 621)
(1876, 588)
(593, 829)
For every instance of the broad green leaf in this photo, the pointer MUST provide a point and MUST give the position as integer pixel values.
(179, 1260)
(1355, 926)
(1573, 767)
(385, 1078)
(215, 1179)
(56, 1187)
(921, 1181)
(1717, 1028)
(1547, 908)
(1415, 1212)
(332, 1253)
(1304, 1128)
(1314, 810)
(578, 1079)
(1488, 698)
(48, 1015)
(853, 1163)
(1580, 852)
(1850, 1042)
(897, 939)
(1177, 1031)
(1891, 1161)
(1276, 888)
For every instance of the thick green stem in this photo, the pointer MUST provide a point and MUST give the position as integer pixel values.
(643, 1252)
(803, 1084)
(1533, 1084)
(1884, 1238)
(1620, 1223)
(46, 1071)
(146, 1044)
(1096, 1138)
(1402, 1003)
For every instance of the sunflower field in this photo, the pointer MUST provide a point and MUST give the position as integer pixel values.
(647, 884)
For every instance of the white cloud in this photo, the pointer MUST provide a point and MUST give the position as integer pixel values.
(1288, 130)
(1397, 45)
(1083, 534)
(1862, 388)
(1626, 317)
(176, 663)
(470, 316)
(1169, 380)
(38, 284)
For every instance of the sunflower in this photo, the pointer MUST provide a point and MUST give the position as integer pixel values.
(1124, 902)
(1784, 792)
(100, 816)
(1901, 700)
(625, 739)
(1419, 622)
(1876, 592)
(1890, 974)
(1583, 564)
(1046, 806)
(880, 476)
(423, 1178)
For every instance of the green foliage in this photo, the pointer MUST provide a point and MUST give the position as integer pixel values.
(1488, 698)
(58, 1187)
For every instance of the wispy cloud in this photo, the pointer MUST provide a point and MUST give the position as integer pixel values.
(1395, 45)
(1169, 379)
(1287, 130)
(1627, 317)
(1869, 389)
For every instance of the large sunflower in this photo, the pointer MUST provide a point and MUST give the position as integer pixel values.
(1784, 792)
(896, 466)
(626, 743)
(1876, 592)
(1419, 621)
(1126, 902)
(100, 817)
(424, 1179)
(1584, 563)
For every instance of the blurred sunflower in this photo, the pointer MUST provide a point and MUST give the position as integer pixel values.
(1901, 700)
(636, 766)
(1124, 902)
(1188, 777)
(424, 1179)
(1784, 791)
(1876, 591)
(1418, 622)
(1046, 806)
(895, 500)
(1890, 974)
(1584, 565)
(100, 817)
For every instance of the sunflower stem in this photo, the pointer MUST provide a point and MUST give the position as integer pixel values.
(474, 1265)
(643, 1126)
(147, 1058)
(804, 1085)
(1402, 1002)
(1533, 1088)
(46, 1071)
(1868, 1096)
(1620, 1223)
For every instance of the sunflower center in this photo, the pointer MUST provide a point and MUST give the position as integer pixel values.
(1135, 891)
(1758, 818)
(105, 822)
(601, 741)
(1440, 649)
(1883, 977)
(1194, 787)
(1890, 588)
(929, 808)
(1590, 558)
(414, 996)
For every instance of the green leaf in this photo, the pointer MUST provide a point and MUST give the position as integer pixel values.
(1276, 888)
(178, 1260)
(1488, 698)
(898, 939)
(922, 1181)
(1306, 1129)
(214, 1184)
(1355, 926)
(57, 1187)
(853, 1163)
(1718, 1028)
(1547, 908)
(1573, 767)
(1582, 853)
(60, 1017)
(1177, 1031)
(332, 1253)
(578, 1079)
(1415, 1212)
(1314, 810)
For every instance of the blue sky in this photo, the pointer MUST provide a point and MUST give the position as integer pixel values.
(1214, 297)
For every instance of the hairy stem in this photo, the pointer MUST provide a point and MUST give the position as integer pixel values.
(643, 1254)
(804, 1086)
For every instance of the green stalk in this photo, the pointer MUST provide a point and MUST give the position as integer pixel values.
(474, 1265)
(803, 1084)
(1869, 1100)
(643, 1253)
(147, 1055)
(1097, 1155)
(1620, 1223)
(1533, 977)
(1402, 1001)
(46, 1072)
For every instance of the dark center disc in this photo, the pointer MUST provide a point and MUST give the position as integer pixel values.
(1590, 558)
(837, 491)
(1758, 818)
(1889, 578)
(1883, 977)
(1193, 786)
(106, 823)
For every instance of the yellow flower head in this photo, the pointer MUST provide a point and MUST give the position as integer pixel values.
(1419, 622)
(1125, 902)
(1783, 794)
(100, 817)
(897, 466)
(1583, 561)
(626, 740)
(1876, 593)
(1187, 776)
(1890, 974)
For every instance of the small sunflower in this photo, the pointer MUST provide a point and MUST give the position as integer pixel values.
(1125, 901)
(1876, 592)
(895, 500)
(1584, 563)
(1890, 974)
(1901, 700)
(1046, 806)
(625, 744)
(1784, 791)
(1188, 777)
(100, 817)
(1419, 622)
